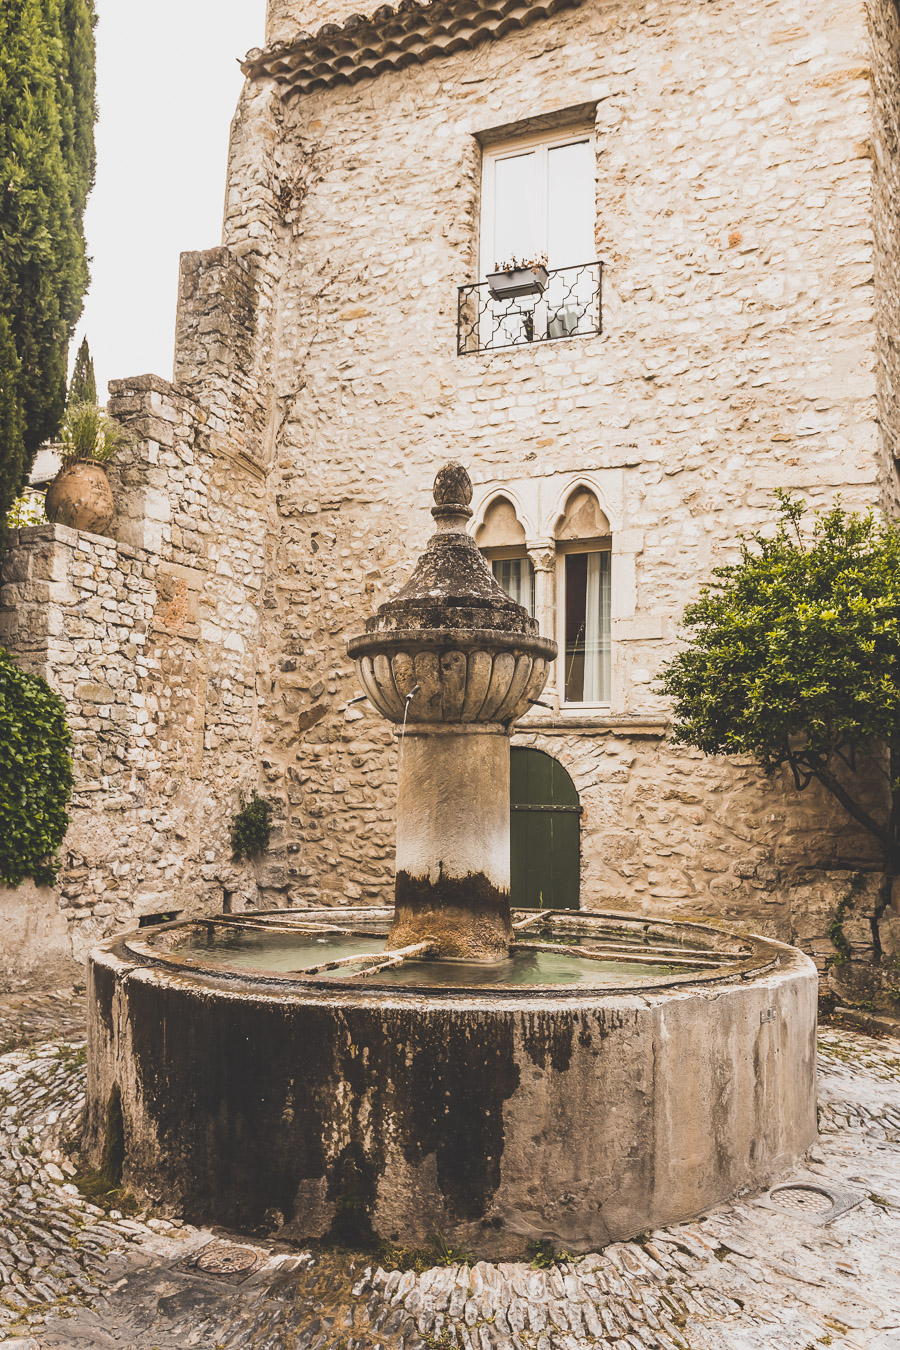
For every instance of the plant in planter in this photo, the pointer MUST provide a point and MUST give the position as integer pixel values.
(514, 278)
(80, 494)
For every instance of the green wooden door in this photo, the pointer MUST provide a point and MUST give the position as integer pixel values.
(545, 833)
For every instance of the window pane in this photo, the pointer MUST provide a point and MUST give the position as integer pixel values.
(587, 655)
(515, 202)
(516, 576)
(570, 204)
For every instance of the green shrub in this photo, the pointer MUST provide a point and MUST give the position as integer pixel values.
(793, 657)
(27, 510)
(251, 828)
(35, 775)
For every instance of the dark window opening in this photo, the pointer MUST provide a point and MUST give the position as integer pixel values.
(149, 920)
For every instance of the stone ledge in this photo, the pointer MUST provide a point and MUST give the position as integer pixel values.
(869, 1022)
(601, 725)
(32, 536)
(148, 384)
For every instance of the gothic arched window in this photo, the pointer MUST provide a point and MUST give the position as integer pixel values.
(584, 576)
(501, 539)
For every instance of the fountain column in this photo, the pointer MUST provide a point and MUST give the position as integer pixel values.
(454, 661)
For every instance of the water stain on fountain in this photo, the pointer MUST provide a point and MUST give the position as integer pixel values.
(449, 1066)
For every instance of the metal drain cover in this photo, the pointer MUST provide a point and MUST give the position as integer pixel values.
(811, 1201)
(226, 1261)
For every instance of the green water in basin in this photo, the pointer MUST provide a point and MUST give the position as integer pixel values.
(285, 953)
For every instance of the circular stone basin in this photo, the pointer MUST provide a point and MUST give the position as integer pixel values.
(615, 1074)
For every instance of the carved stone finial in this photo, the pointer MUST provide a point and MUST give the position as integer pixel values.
(452, 494)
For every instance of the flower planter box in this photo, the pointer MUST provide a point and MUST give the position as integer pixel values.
(519, 281)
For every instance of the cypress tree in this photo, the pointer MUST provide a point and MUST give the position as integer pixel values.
(83, 384)
(47, 113)
(12, 445)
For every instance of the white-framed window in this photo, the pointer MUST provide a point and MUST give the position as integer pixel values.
(584, 602)
(515, 573)
(584, 579)
(537, 197)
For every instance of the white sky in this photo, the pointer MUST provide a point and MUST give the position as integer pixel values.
(167, 86)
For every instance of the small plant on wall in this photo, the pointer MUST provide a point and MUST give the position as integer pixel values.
(35, 775)
(88, 434)
(251, 828)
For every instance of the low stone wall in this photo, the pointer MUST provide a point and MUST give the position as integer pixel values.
(151, 639)
(35, 942)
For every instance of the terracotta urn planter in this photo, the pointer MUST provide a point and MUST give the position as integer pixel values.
(80, 496)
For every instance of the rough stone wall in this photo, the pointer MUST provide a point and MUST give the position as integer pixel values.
(671, 831)
(734, 215)
(215, 346)
(35, 944)
(153, 647)
(884, 25)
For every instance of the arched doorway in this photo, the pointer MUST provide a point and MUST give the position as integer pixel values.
(545, 833)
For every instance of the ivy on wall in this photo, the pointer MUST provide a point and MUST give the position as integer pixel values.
(35, 775)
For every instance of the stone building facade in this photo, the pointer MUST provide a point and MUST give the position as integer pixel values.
(742, 165)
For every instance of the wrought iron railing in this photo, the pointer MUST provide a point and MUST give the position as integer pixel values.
(569, 306)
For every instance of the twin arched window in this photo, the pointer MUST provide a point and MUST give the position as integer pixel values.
(582, 559)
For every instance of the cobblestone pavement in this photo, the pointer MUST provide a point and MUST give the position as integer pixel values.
(39, 1016)
(742, 1278)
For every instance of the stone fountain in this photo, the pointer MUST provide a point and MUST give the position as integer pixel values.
(455, 661)
(448, 1066)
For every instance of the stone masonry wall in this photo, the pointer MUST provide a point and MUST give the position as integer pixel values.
(739, 213)
(884, 24)
(153, 646)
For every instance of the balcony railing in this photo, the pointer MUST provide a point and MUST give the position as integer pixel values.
(570, 306)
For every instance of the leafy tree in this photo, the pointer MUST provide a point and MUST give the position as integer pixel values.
(83, 384)
(47, 114)
(794, 658)
(12, 449)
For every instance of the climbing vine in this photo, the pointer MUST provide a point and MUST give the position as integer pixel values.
(35, 775)
(835, 929)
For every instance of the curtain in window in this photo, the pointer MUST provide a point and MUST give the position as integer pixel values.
(516, 576)
(597, 629)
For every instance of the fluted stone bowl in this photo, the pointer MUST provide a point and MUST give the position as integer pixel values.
(452, 646)
(475, 675)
